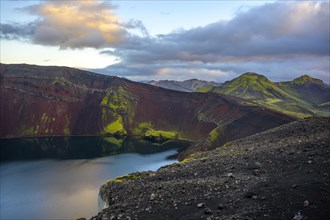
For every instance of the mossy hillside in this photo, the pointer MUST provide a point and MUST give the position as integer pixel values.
(141, 128)
(111, 145)
(115, 127)
(298, 107)
(188, 159)
(103, 192)
(161, 134)
(117, 111)
(113, 141)
(252, 86)
(305, 79)
(288, 108)
(224, 150)
(214, 136)
(115, 102)
(196, 156)
(145, 130)
(244, 81)
(125, 178)
(291, 88)
(31, 131)
(325, 104)
(213, 140)
(58, 82)
(46, 122)
(263, 92)
(306, 88)
(43, 125)
(272, 100)
(204, 89)
(66, 130)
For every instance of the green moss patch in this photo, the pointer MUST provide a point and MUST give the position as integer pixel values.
(305, 79)
(214, 136)
(66, 130)
(281, 97)
(207, 88)
(188, 159)
(117, 110)
(28, 131)
(125, 178)
(141, 128)
(113, 140)
(160, 134)
(115, 127)
(145, 129)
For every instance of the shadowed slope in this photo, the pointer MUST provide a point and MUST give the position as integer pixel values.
(307, 88)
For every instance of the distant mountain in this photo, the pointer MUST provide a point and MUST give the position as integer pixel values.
(190, 85)
(61, 101)
(304, 96)
(251, 86)
(309, 89)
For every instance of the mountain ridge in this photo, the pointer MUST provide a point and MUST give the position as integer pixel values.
(306, 79)
(302, 97)
(189, 85)
(56, 101)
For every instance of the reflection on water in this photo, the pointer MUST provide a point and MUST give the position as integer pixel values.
(78, 147)
(35, 186)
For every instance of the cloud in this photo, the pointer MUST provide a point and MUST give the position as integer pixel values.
(136, 24)
(158, 72)
(14, 31)
(262, 39)
(72, 24)
(280, 40)
(275, 29)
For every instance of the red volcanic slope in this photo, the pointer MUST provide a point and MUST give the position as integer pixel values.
(49, 101)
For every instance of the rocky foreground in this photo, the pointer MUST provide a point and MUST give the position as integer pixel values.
(283, 173)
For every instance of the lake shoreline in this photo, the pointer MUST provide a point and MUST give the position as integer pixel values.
(64, 176)
(283, 173)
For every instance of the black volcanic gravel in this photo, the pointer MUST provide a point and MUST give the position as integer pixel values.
(283, 173)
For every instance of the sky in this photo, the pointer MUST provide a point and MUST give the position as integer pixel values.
(175, 40)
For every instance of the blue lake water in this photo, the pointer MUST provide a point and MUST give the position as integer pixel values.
(54, 178)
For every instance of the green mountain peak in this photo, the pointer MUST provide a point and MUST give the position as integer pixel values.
(304, 96)
(249, 86)
(251, 76)
(306, 79)
(249, 79)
